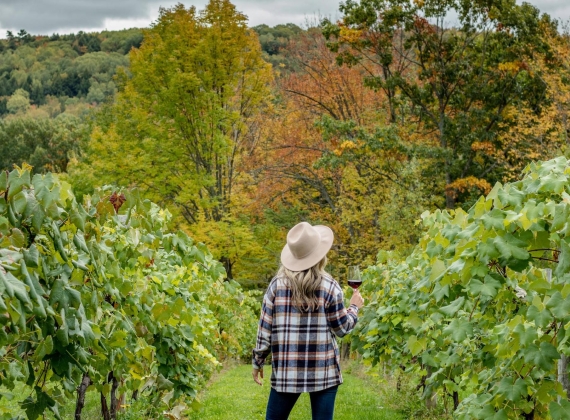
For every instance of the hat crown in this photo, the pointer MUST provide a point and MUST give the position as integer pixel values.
(303, 239)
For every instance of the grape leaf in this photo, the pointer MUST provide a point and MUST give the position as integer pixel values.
(559, 410)
(32, 256)
(488, 288)
(525, 334)
(512, 391)
(459, 329)
(453, 307)
(494, 220)
(559, 306)
(542, 356)
(44, 348)
(500, 415)
(508, 248)
(563, 266)
(540, 318)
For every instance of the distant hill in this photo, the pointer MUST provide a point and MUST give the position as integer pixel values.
(38, 70)
(50, 84)
(273, 41)
(43, 76)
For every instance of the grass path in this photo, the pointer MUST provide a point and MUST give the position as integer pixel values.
(234, 396)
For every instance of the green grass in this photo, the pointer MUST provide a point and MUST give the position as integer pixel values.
(234, 396)
(91, 410)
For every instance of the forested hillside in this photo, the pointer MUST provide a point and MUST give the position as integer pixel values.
(49, 87)
(62, 69)
(65, 70)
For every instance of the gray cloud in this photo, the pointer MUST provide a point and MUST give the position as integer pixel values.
(48, 16)
(273, 12)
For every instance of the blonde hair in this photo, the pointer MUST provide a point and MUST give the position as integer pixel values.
(304, 285)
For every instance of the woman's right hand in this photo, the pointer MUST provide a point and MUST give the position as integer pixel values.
(356, 299)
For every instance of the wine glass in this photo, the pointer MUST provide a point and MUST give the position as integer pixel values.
(354, 277)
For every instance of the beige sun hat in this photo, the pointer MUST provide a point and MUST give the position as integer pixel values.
(306, 246)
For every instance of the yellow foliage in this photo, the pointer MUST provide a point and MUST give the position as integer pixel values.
(465, 184)
(348, 145)
(350, 35)
(186, 125)
(483, 146)
(26, 167)
(512, 67)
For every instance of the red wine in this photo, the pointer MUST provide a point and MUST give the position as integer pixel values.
(355, 284)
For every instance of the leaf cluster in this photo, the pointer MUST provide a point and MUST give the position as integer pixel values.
(105, 291)
(474, 304)
(452, 81)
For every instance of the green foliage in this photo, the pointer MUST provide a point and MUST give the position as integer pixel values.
(453, 83)
(104, 288)
(63, 65)
(274, 41)
(472, 308)
(18, 102)
(249, 252)
(373, 166)
(46, 144)
(183, 127)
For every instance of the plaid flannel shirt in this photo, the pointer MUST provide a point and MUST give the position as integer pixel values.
(305, 355)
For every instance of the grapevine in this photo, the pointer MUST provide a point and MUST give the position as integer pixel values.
(102, 294)
(472, 309)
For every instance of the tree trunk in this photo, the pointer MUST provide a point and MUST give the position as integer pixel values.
(455, 400)
(431, 399)
(228, 264)
(81, 390)
(422, 384)
(114, 400)
(104, 408)
(449, 193)
(563, 374)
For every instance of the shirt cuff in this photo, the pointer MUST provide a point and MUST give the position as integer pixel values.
(354, 309)
(256, 363)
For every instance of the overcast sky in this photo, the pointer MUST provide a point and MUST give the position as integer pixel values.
(65, 16)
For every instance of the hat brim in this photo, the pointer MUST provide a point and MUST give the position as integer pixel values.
(295, 264)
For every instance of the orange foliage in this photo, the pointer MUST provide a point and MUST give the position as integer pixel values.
(539, 135)
(463, 185)
(321, 87)
(356, 196)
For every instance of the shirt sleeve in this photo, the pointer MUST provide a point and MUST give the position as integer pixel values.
(263, 342)
(340, 319)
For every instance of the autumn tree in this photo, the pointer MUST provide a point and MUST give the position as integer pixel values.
(186, 121)
(525, 134)
(453, 83)
(318, 162)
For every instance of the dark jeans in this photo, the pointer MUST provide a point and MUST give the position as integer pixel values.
(280, 404)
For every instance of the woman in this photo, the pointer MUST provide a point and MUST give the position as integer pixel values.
(302, 308)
